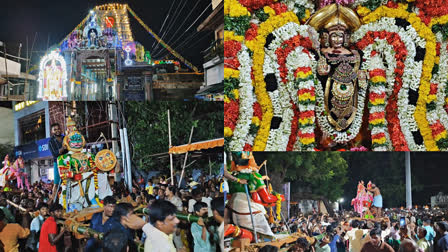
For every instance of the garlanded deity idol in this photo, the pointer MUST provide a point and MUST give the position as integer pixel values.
(338, 66)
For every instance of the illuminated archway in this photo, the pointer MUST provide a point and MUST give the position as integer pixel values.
(52, 77)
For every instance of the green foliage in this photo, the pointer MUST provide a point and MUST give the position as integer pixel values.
(6, 149)
(237, 24)
(442, 28)
(261, 15)
(147, 125)
(301, 11)
(229, 85)
(324, 173)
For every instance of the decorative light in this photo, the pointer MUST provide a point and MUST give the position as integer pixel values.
(52, 77)
(128, 61)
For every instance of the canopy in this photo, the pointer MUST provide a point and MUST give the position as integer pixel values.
(197, 146)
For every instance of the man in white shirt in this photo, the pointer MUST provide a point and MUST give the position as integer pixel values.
(217, 206)
(197, 197)
(37, 222)
(162, 224)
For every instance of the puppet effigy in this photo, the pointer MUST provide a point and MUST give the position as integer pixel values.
(19, 169)
(5, 172)
(245, 167)
(79, 172)
(363, 200)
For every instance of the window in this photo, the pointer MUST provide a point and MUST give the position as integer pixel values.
(32, 127)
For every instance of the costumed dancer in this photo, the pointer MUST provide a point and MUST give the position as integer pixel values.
(377, 199)
(245, 168)
(5, 171)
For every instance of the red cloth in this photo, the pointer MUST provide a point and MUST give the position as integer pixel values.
(49, 227)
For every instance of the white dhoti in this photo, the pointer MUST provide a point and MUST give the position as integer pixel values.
(241, 214)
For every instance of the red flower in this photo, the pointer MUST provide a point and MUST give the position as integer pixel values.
(378, 136)
(433, 89)
(294, 126)
(231, 48)
(377, 72)
(231, 111)
(257, 110)
(438, 45)
(252, 32)
(306, 114)
(392, 4)
(304, 91)
(232, 63)
(247, 147)
(279, 8)
(252, 5)
(437, 128)
(377, 115)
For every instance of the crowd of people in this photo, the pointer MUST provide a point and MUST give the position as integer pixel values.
(34, 221)
(423, 230)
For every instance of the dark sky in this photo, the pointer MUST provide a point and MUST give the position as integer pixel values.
(54, 19)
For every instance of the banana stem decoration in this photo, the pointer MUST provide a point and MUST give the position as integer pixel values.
(181, 216)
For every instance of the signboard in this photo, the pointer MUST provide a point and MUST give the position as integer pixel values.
(22, 105)
(38, 149)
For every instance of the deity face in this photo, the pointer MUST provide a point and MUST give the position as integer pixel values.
(337, 39)
(74, 141)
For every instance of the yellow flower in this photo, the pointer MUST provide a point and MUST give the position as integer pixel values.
(378, 79)
(379, 141)
(446, 100)
(377, 101)
(257, 46)
(377, 121)
(230, 35)
(307, 120)
(303, 75)
(233, 8)
(437, 60)
(307, 15)
(236, 94)
(431, 98)
(231, 73)
(440, 136)
(228, 132)
(226, 99)
(307, 140)
(307, 96)
(362, 11)
(256, 121)
(269, 10)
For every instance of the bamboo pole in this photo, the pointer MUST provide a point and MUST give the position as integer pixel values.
(185, 160)
(170, 145)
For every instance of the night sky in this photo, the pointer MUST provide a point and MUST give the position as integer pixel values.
(55, 19)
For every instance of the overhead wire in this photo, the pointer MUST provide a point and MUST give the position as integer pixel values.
(185, 19)
(166, 18)
(176, 15)
(161, 50)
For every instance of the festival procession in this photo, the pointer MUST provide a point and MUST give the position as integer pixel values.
(99, 180)
(308, 202)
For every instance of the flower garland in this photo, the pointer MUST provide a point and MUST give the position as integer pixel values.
(257, 46)
(241, 130)
(377, 105)
(307, 99)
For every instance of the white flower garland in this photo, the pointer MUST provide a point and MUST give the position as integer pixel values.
(412, 72)
(242, 127)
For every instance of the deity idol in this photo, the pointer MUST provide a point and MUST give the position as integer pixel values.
(5, 172)
(338, 66)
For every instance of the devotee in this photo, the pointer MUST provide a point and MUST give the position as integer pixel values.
(37, 222)
(199, 231)
(442, 228)
(161, 226)
(376, 244)
(10, 233)
(50, 239)
(377, 200)
(98, 221)
(56, 148)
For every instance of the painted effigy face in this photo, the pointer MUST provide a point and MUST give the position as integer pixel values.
(74, 141)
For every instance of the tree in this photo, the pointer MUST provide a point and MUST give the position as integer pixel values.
(6, 149)
(319, 174)
(147, 124)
